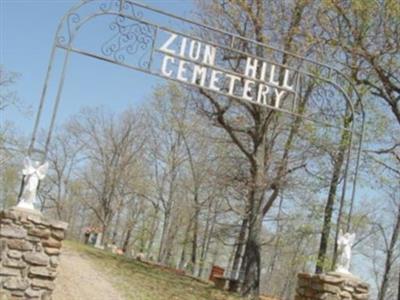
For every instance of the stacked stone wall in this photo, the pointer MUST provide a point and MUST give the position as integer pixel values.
(330, 286)
(30, 246)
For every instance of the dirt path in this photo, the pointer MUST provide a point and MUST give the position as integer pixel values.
(79, 280)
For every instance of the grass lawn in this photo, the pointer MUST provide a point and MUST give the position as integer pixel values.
(139, 281)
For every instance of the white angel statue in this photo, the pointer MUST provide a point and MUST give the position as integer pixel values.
(345, 242)
(33, 172)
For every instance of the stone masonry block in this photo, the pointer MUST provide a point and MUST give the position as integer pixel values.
(21, 245)
(15, 283)
(30, 245)
(12, 231)
(331, 286)
(38, 259)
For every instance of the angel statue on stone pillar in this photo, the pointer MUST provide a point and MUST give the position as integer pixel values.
(33, 172)
(345, 242)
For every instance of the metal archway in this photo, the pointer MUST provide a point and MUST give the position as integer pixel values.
(136, 30)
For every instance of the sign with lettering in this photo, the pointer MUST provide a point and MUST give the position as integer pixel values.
(161, 44)
(193, 61)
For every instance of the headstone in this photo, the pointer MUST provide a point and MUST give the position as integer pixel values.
(98, 241)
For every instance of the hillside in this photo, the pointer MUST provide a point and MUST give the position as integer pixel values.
(86, 272)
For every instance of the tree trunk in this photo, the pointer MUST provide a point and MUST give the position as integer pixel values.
(286, 292)
(240, 242)
(277, 246)
(153, 231)
(106, 225)
(193, 257)
(398, 288)
(204, 241)
(207, 241)
(116, 226)
(172, 232)
(126, 241)
(206, 236)
(149, 248)
(181, 263)
(252, 258)
(344, 142)
(164, 234)
(389, 259)
(326, 227)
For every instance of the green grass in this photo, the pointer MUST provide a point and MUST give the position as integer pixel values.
(139, 281)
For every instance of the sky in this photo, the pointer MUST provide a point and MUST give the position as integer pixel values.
(27, 29)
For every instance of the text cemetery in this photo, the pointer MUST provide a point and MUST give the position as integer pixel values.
(195, 62)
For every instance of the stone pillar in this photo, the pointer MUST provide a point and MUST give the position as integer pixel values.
(30, 246)
(330, 286)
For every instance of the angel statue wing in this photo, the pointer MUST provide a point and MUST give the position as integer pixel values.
(42, 170)
(341, 236)
(28, 167)
(352, 238)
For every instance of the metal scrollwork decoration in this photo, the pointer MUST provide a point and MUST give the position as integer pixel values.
(131, 10)
(109, 5)
(129, 37)
(73, 19)
(72, 22)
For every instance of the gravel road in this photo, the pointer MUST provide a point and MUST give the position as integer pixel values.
(78, 279)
